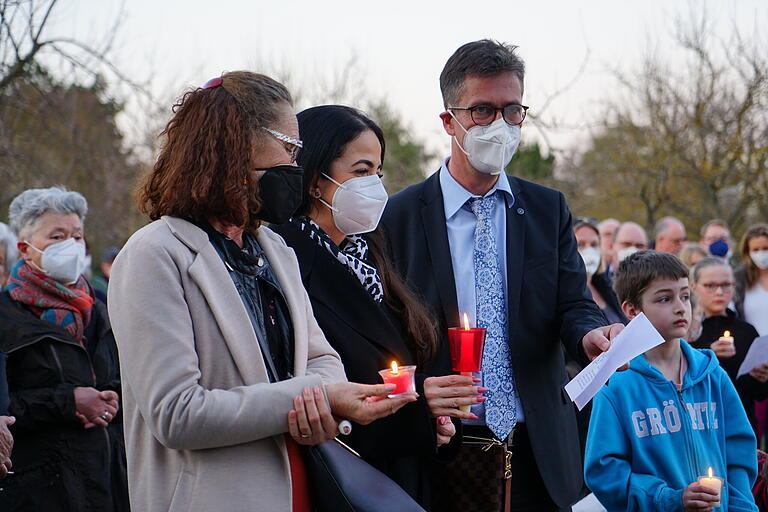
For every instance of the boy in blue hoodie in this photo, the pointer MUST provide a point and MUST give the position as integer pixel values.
(658, 426)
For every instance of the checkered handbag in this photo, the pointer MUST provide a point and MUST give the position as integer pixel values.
(478, 480)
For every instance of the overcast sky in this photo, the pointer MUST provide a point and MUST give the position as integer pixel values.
(399, 47)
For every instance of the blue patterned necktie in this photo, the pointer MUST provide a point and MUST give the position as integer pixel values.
(500, 408)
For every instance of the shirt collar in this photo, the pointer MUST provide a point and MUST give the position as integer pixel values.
(455, 195)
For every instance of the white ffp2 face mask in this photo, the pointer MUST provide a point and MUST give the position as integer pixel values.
(625, 253)
(591, 257)
(358, 204)
(63, 261)
(490, 148)
(760, 259)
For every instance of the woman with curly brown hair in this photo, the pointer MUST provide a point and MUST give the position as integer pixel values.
(225, 371)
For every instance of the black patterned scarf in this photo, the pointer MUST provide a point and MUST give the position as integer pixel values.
(353, 255)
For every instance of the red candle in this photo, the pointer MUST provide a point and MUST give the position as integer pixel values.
(403, 377)
(466, 347)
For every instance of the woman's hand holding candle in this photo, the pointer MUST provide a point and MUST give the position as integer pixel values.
(724, 346)
(446, 394)
(364, 403)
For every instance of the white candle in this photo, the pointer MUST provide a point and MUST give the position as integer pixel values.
(712, 482)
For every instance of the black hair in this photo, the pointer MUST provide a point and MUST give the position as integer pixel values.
(326, 130)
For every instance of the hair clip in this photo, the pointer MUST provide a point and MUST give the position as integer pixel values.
(213, 82)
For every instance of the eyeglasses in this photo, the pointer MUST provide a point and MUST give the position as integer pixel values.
(484, 115)
(712, 287)
(295, 144)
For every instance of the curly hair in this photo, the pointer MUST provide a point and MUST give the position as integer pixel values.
(202, 169)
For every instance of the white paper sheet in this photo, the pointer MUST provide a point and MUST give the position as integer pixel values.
(757, 355)
(637, 337)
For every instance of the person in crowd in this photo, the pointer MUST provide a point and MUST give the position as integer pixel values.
(62, 368)
(362, 305)
(728, 337)
(716, 238)
(606, 227)
(6, 438)
(470, 239)
(589, 243)
(670, 235)
(100, 282)
(645, 448)
(629, 238)
(8, 252)
(752, 278)
(692, 253)
(225, 370)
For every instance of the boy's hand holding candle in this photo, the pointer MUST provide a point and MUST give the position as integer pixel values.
(724, 346)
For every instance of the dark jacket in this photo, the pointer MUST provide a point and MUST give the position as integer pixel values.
(602, 283)
(743, 334)
(740, 278)
(368, 337)
(58, 464)
(547, 301)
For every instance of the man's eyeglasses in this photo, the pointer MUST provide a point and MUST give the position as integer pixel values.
(295, 144)
(712, 287)
(484, 115)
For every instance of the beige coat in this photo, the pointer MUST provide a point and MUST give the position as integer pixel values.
(204, 427)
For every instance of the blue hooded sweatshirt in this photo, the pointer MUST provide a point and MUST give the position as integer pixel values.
(647, 442)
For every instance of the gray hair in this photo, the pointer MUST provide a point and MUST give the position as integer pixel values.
(664, 223)
(8, 244)
(484, 58)
(27, 208)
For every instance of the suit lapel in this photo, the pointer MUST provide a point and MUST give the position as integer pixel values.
(436, 233)
(515, 254)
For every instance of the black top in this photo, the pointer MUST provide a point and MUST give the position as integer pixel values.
(743, 334)
(262, 297)
(367, 336)
(612, 310)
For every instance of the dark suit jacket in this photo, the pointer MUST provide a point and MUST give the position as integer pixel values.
(548, 301)
(367, 337)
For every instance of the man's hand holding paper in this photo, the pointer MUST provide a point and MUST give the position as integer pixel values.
(636, 338)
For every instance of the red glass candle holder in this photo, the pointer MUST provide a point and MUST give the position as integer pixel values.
(466, 348)
(404, 379)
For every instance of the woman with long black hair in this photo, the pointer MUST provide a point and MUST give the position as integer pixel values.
(363, 306)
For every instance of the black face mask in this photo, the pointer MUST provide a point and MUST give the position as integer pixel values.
(281, 191)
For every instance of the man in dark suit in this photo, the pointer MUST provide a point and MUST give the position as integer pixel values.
(471, 239)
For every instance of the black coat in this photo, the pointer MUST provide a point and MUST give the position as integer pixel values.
(602, 283)
(548, 301)
(367, 337)
(58, 464)
(744, 334)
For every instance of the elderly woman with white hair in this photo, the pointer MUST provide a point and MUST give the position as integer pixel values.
(8, 252)
(62, 366)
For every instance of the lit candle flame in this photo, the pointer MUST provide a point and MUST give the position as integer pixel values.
(709, 471)
(727, 334)
(395, 370)
(466, 322)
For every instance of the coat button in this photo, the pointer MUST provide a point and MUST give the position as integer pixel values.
(520, 211)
